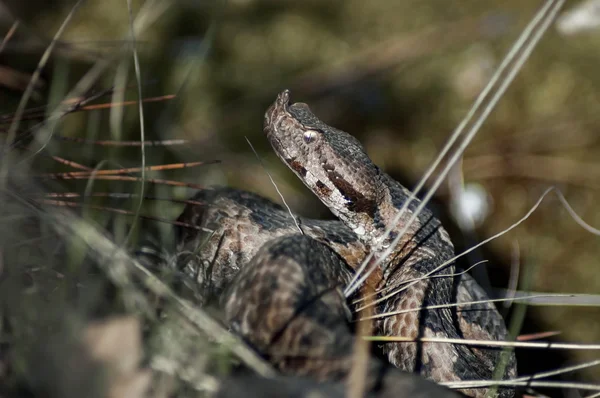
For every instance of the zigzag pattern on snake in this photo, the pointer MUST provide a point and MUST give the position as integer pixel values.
(281, 289)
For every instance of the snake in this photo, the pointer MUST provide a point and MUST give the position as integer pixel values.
(280, 278)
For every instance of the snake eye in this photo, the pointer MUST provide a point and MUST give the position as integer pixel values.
(310, 136)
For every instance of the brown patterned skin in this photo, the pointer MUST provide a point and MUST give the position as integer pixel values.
(334, 165)
(242, 223)
(287, 301)
(273, 283)
(283, 294)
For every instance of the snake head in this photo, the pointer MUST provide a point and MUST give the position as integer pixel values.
(330, 162)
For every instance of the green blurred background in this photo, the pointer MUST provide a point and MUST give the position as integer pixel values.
(399, 75)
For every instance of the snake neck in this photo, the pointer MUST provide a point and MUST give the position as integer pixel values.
(388, 222)
(336, 168)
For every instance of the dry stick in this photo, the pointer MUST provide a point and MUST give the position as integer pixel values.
(66, 162)
(156, 143)
(520, 60)
(105, 175)
(172, 166)
(71, 163)
(122, 195)
(80, 104)
(109, 105)
(357, 378)
(89, 189)
(537, 336)
(130, 178)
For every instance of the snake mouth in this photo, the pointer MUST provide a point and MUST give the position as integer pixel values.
(279, 148)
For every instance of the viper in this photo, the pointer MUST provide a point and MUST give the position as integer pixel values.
(280, 278)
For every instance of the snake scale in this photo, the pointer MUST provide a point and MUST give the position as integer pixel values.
(280, 280)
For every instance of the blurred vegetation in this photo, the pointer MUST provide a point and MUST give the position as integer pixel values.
(398, 75)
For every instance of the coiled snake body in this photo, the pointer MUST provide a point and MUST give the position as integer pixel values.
(281, 289)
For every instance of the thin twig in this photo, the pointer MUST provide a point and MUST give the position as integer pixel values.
(276, 188)
(547, 17)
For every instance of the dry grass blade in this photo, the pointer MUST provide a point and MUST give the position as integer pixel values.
(546, 384)
(121, 267)
(537, 336)
(129, 178)
(514, 225)
(586, 300)
(9, 35)
(465, 303)
(392, 291)
(519, 53)
(578, 219)
(161, 143)
(533, 380)
(162, 167)
(487, 343)
(556, 372)
(276, 189)
(80, 104)
(122, 195)
(110, 105)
